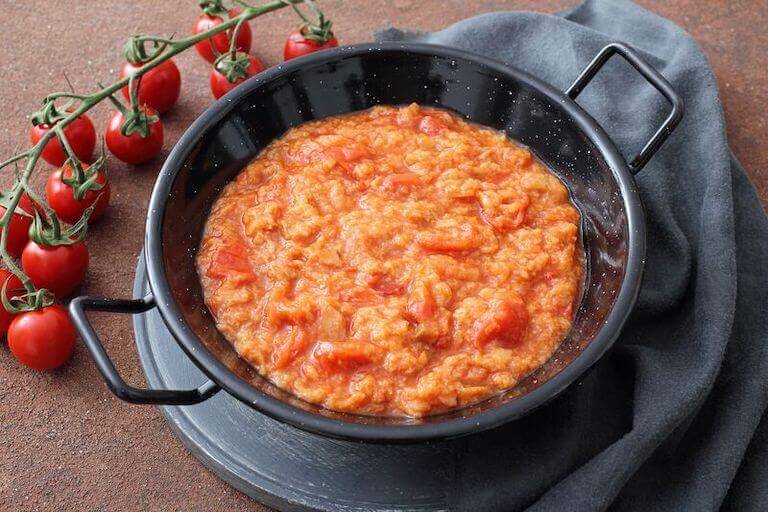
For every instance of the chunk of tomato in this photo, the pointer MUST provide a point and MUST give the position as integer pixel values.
(227, 260)
(505, 320)
(465, 238)
(401, 180)
(293, 345)
(431, 125)
(358, 295)
(342, 356)
(421, 305)
(386, 285)
(345, 156)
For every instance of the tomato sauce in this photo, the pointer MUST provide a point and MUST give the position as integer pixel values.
(395, 262)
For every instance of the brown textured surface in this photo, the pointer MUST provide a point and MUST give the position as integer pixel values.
(65, 442)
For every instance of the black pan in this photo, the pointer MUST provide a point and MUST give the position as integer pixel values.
(238, 126)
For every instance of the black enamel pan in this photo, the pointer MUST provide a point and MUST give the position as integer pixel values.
(233, 131)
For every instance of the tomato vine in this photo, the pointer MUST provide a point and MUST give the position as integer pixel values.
(61, 109)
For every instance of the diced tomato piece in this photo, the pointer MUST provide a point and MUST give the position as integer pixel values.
(358, 295)
(342, 356)
(352, 153)
(421, 310)
(504, 320)
(401, 180)
(227, 260)
(385, 285)
(345, 156)
(465, 238)
(292, 346)
(431, 125)
(381, 283)
(421, 305)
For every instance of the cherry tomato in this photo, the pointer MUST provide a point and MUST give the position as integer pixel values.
(43, 339)
(298, 45)
(160, 86)
(62, 199)
(134, 149)
(60, 268)
(18, 228)
(13, 288)
(221, 86)
(80, 134)
(221, 41)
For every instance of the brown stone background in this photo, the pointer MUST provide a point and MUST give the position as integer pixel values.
(65, 442)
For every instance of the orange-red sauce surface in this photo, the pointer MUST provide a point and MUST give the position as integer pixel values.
(398, 261)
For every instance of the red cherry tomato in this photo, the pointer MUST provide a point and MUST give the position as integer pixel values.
(134, 149)
(160, 86)
(13, 288)
(60, 268)
(62, 199)
(43, 339)
(221, 86)
(298, 45)
(221, 41)
(26, 204)
(80, 134)
(18, 228)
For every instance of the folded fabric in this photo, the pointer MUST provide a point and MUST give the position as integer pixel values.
(670, 418)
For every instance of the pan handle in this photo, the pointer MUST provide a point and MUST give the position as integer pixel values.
(77, 310)
(654, 78)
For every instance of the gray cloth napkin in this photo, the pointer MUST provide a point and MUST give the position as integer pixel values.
(671, 418)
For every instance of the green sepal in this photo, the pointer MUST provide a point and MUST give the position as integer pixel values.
(50, 114)
(214, 8)
(46, 229)
(136, 52)
(320, 31)
(83, 180)
(30, 301)
(136, 119)
(233, 68)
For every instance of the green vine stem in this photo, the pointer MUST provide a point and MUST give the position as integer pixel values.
(320, 31)
(214, 8)
(233, 66)
(78, 104)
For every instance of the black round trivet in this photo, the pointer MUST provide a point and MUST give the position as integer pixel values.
(279, 465)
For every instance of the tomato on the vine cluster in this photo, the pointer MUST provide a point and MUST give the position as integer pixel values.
(43, 339)
(13, 288)
(134, 149)
(160, 86)
(220, 85)
(58, 268)
(218, 44)
(55, 259)
(299, 44)
(61, 197)
(80, 134)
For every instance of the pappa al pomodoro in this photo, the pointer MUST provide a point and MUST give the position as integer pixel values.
(398, 261)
